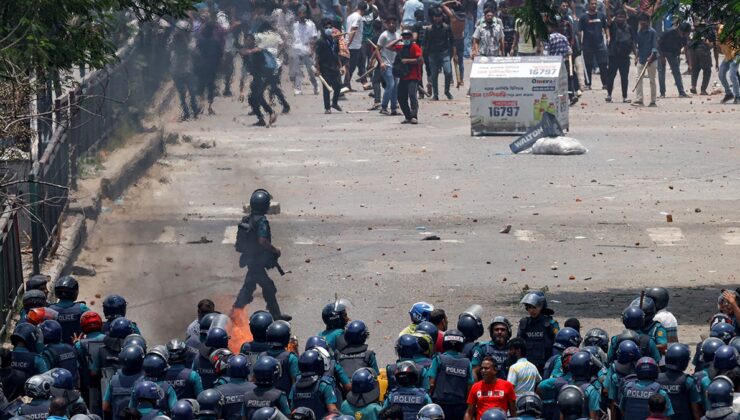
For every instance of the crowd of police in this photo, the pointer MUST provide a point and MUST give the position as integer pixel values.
(67, 362)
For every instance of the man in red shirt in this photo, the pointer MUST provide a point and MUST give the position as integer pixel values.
(407, 67)
(489, 393)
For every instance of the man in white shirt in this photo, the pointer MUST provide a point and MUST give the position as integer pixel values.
(304, 38)
(355, 26)
(388, 56)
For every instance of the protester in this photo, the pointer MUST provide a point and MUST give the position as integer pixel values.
(388, 57)
(729, 65)
(328, 63)
(407, 67)
(593, 30)
(670, 44)
(621, 45)
(647, 51)
(488, 38)
(438, 43)
(305, 36)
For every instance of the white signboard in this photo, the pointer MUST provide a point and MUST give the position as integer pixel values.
(508, 95)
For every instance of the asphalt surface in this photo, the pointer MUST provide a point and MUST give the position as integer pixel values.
(359, 192)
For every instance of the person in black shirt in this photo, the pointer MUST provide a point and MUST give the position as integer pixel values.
(262, 65)
(437, 43)
(670, 44)
(327, 65)
(701, 45)
(209, 55)
(593, 27)
(622, 43)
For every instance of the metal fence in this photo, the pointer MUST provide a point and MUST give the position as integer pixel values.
(11, 269)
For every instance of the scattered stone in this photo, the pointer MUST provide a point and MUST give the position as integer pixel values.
(571, 277)
(109, 259)
(202, 240)
(81, 270)
(697, 210)
(669, 218)
(431, 238)
(506, 229)
(307, 260)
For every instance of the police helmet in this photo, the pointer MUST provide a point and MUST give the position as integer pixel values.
(37, 282)
(633, 318)
(334, 315)
(311, 362)
(217, 338)
(148, 391)
(238, 367)
(266, 413)
(316, 341)
(51, 331)
(34, 299)
(429, 329)
(628, 335)
(120, 328)
(659, 295)
(430, 412)
(260, 201)
(220, 360)
(363, 381)
(646, 368)
(211, 401)
(628, 352)
(39, 386)
(62, 378)
(725, 358)
(470, 325)
(66, 287)
(677, 357)
(536, 299)
(185, 409)
(709, 347)
(529, 403)
(258, 323)
(177, 350)
(302, 413)
(571, 400)
(91, 321)
(580, 365)
(598, 358)
(453, 340)
(735, 342)
(648, 307)
(26, 334)
(114, 306)
(407, 346)
(723, 331)
(266, 371)
(131, 358)
(502, 320)
(597, 337)
(720, 396)
(718, 318)
(493, 414)
(134, 339)
(86, 417)
(278, 334)
(205, 322)
(407, 373)
(420, 311)
(567, 337)
(356, 333)
(154, 366)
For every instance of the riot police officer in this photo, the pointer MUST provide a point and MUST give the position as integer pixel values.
(211, 403)
(408, 395)
(352, 352)
(567, 337)
(451, 376)
(63, 385)
(32, 299)
(621, 372)
(58, 353)
(681, 388)
(651, 327)
(278, 336)
(195, 342)
(87, 350)
(12, 380)
(471, 325)
(661, 297)
(538, 330)
(147, 394)
(105, 365)
(336, 373)
(69, 311)
(258, 323)
(254, 242)
(597, 337)
(266, 372)
(362, 400)
(581, 369)
(719, 396)
(419, 312)
(570, 402)
(118, 393)
(155, 370)
(38, 388)
(500, 332)
(312, 389)
(704, 377)
(216, 338)
(407, 349)
(185, 381)
(725, 360)
(335, 319)
(24, 356)
(235, 386)
(633, 318)
(114, 306)
(635, 394)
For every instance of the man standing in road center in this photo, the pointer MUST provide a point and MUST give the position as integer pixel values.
(254, 242)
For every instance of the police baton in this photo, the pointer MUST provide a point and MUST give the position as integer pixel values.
(279, 269)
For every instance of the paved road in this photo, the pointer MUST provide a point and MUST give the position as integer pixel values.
(359, 192)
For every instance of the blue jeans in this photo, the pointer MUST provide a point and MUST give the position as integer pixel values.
(440, 61)
(390, 94)
(469, 29)
(730, 66)
(673, 61)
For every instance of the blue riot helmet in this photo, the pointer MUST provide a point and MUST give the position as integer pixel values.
(259, 202)
(205, 323)
(735, 342)
(266, 413)
(302, 413)
(148, 391)
(471, 326)
(62, 379)
(185, 409)
(407, 374)
(266, 371)
(334, 314)
(453, 340)
(580, 365)
(26, 334)
(420, 311)
(356, 333)
(131, 358)
(316, 341)
(571, 400)
(311, 362)
(365, 388)
(659, 295)
(258, 323)
(725, 358)
(278, 334)
(154, 366)
(677, 357)
(628, 352)
(429, 329)
(38, 386)
(51, 331)
(407, 346)
(114, 306)
(647, 368)
(597, 337)
(709, 347)
(211, 401)
(648, 307)
(430, 412)
(567, 337)
(120, 328)
(37, 282)
(633, 318)
(238, 367)
(134, 339)
(723, 331)
(66, 287)
(493, 414)
(217, 338)
(530, 404)
(34, 299)
(720, 396)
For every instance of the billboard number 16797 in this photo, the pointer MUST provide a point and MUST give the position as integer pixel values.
(503, 111)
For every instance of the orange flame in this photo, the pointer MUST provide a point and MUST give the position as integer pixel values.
(239, 329)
